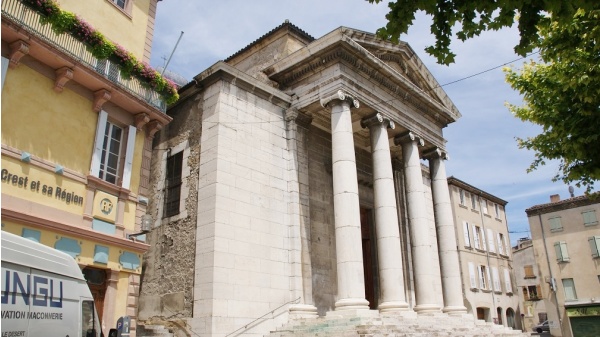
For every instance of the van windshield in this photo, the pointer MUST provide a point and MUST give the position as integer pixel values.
(90, 325)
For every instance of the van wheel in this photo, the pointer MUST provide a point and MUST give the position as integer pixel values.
(539, 330)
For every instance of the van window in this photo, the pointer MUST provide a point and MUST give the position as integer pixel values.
(90, 326)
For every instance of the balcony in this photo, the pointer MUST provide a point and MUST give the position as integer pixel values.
(28, 20)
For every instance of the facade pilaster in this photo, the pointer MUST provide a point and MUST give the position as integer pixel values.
(350, 271)
(391, 278)
(300, 259)
(446, 235)
(419, 228)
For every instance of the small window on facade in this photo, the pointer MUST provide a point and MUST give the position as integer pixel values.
(484, 206)
(461, 194)
(484, 277)
(477, 237)
(589, 218)
(529, 271)
(569, 288)
(533, 292)
(594, 242)
(497, 210)
(111, 153)
(173, 184)
(474, 199)
(120, 3)
(555, 224)
(501, 249)
(562, 255)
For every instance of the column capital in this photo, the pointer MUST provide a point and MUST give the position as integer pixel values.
(409, 136)
(377, 118)
(436, 152)
(300, 118)
(341, 96)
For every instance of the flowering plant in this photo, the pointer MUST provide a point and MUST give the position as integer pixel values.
(67, 22)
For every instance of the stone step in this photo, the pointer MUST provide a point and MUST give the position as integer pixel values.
(153, 331)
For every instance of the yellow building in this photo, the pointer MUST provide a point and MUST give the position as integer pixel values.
(77, 129)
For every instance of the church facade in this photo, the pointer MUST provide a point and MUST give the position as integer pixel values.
(292, 183)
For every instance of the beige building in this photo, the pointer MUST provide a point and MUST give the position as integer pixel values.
(566, 242)
(529, 282)
(77, 136)
(485, 254)
(290, 195)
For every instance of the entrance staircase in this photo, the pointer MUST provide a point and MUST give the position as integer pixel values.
(389, 325)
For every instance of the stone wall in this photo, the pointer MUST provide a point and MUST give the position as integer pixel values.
(166, 289)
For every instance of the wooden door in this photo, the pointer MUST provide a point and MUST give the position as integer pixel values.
(367, 250)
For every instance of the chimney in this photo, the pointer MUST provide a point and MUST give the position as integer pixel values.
(554, 198)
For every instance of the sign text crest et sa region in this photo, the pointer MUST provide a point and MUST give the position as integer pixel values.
(36, 186)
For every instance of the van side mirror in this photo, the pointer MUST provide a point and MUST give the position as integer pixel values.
(112, 333)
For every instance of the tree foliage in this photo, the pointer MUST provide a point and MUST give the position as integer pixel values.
(562, 94)
(477, 16)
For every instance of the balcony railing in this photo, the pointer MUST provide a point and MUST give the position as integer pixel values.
(29, 19)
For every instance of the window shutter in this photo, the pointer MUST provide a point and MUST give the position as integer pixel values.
(476, 237)
(496, 277)
(589, 218)
(559, 257)
(97, 155)
(491, 245)
(488, 279)
(481, 277)
(466, 233)
(594, 245)
(483, 243)
(525, 294)
(507, 247)
(472, 276)
(500, 244)
(564, 251)
(507, 281)
(131, 132)
(538, 288)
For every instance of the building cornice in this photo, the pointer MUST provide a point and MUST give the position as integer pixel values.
(474, 190)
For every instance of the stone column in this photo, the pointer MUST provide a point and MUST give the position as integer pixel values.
(300, 260)
(446, 236)
(419, 228)
(350, 272)
(391, 278)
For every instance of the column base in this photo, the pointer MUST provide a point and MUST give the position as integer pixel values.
(393, 306)
(427, 309)
(455, 310)
(303, 311)
(352, 304)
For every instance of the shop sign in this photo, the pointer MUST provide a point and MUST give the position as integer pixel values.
(37, 186)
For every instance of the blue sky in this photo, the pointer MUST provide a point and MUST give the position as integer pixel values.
(482, 145)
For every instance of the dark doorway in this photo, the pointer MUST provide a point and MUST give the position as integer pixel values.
(368, 250)
(96, 280)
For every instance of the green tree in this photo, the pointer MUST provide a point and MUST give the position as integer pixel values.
(476, 16)
(562, 94)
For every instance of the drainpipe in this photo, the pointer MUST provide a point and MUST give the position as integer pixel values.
(552, 280)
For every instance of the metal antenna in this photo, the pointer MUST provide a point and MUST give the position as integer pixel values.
(169, 60)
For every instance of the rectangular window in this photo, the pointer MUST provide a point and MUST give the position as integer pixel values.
(555, 224)
(477, 236)
(120, 3)
(484, 276)
(491, 238)
(529, 271)
(497, 210)
(589, 218)
(532, 293)
(562, 255)
(467, 234)
(594, 242)
(507, 282)
(501, 248)
(461, 194)
(474, 201)
(484, 206)
(111, 152)
(569, 288)
(173, 184)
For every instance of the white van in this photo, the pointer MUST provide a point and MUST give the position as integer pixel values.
(44, 292)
